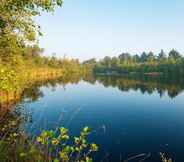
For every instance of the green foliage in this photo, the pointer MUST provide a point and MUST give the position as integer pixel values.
(17, 28)
(8, 79)
(146, 63)
(21, 70)
(49, 146)
(17, 31)
(80, 150)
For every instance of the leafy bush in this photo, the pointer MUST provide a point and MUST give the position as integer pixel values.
(49, 146)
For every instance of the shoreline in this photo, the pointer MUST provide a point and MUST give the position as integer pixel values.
(30, 77)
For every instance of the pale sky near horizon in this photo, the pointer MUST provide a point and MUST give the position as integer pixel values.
(91, 28)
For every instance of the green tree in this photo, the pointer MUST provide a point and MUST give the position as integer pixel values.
(144, 57)
(174, 54)
(17, 28)
(162, 56)
(107, 61)
(115, 62)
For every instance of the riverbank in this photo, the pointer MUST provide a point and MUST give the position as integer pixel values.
(13, 83)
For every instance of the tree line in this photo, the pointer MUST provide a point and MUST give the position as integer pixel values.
(145, 63)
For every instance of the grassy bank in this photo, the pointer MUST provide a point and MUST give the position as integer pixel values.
(24, 71)
(13, 82)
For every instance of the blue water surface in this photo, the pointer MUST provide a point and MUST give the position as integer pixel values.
(123, 123)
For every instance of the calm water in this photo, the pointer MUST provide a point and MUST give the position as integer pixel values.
(127, 116)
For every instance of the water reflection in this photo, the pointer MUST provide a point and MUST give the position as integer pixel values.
(34, 92)
(170, 86)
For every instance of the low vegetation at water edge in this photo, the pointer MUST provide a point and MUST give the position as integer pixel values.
(49, 146)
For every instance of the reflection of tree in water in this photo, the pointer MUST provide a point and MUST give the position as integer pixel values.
(89, 77)
(173, 86)
(33, 92)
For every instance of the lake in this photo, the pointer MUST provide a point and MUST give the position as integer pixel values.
(128, 116)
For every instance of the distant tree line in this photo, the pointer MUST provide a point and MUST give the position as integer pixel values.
(146, 63)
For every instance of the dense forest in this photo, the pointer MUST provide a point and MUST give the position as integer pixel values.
(170, 64)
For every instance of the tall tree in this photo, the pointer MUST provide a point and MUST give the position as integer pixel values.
(17, 28)
(162, 55)
(144, 57)
(125, 57)
(150, 57)
(174, 54)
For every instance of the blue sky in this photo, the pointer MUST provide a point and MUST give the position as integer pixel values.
(95, 28)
